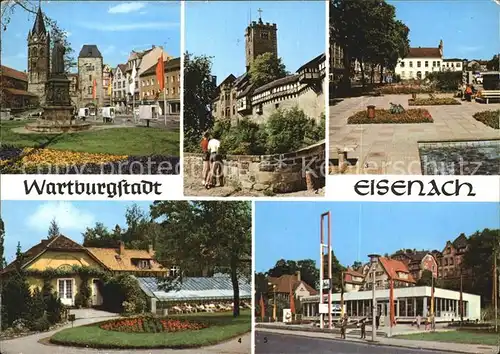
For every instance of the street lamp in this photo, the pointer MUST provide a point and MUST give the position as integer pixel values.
(274, 301)
(373, 263)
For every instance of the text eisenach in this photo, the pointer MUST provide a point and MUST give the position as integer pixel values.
(448, 188)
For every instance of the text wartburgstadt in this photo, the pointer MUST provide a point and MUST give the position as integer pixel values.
(450, 188)
(111, 189)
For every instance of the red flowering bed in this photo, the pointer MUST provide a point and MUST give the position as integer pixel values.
(151, 325)
(384, 116)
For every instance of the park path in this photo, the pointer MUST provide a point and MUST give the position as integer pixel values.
(32, 345)
(393, 148)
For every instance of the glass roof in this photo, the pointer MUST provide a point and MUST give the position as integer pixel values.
(197, 288)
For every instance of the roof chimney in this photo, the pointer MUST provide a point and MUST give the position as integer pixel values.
(297, 274)
(121, 250)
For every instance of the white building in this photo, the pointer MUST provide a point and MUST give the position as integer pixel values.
(409, 302)
(422, 61)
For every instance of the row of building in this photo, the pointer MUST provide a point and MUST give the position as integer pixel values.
(405, 267)
(95, 84)
(417, 65)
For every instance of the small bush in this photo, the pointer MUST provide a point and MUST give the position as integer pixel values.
(41, 324)
(432, 101)
(490, 118)
(445, 81)
(286, 131)
(120, 289)
(402, 89)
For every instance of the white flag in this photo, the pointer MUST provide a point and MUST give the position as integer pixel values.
(132, 80)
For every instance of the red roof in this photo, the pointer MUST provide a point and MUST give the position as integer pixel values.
(393, 267)
(15, 74)
(424, 53)
(283, 284)
(349, 274)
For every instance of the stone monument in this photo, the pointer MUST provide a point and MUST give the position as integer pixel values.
(57, 112)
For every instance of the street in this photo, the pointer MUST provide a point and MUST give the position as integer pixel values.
(266, 342)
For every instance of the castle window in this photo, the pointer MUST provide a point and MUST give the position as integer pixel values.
(34, 52)
(234, 109)
(89, 91)
(276, 105)
(90, 77)
(264, 35)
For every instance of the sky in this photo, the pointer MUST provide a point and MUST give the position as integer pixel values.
(469, 29)
(28, 221)
(115, 27)
(217, 29)
(291, 230)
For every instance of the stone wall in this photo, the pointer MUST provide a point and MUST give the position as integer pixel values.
(277, 173)
(90, 69)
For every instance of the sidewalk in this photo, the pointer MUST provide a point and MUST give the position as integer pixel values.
(384, 341)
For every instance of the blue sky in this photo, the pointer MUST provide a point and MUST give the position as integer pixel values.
(28, 221)
(469, 29)
(291, 230)
(217, 28)
(115, 27)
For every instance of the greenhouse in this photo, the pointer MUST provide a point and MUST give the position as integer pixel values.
(196, 294)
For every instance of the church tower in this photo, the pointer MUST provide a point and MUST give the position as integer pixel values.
(260, 38)
(38, 57)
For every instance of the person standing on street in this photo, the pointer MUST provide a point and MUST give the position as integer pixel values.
(363, 329)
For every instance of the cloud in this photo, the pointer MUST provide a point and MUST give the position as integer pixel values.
(68, 217)
(129, 26)
(143, 12)
(126, 8)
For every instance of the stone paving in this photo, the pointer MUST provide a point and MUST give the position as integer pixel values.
(38, 343)
(393, 148)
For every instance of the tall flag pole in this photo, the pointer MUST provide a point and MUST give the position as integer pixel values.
(160, 76)
(461, 298)
(391, 303)
(342, 295)
(262, 308)
(94, 96)
(292, 301)
(432, 293)
(132, 90)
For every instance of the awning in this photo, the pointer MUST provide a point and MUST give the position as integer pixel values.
(196, 289)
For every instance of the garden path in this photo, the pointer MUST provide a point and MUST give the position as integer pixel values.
(35, 344)
(393, 148)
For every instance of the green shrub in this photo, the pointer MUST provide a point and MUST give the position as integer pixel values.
(82, 297)
(16, 300)
(490, 118)
(286, 131)
(37, 305)
(247, 138)
(40, 324)
(120, 289)
(445, 81)
(53, 305)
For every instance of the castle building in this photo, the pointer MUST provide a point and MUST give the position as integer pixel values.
(237, 98)
(90, 68)
(38, 57)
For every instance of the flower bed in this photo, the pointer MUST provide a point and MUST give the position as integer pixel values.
(151, 325)
(490, 118)
(402, 89)
(433, 101)
(14, 160)
(384, 116)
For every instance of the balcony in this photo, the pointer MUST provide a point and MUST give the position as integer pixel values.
(309, 76)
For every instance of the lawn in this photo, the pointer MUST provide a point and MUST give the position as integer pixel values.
(134, 141)
(490, 118)
(384, 116)
(222, 327)
(464, 337)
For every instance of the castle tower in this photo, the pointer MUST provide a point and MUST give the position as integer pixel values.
(38, 57)
(260, 38)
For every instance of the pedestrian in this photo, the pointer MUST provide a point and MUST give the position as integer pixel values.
(468, 93)
(363, 329)
(427, 322)
(419, 320)
(216, 168)
(343, 326)
(377, 321)
(205, 157)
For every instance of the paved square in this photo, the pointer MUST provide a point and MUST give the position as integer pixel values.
(393, 148)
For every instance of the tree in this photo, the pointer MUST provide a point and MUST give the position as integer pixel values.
(309, 273)
(53, 229)
(199, 93)
(56, 33)
(2, 250)
(205, 234)
(356, 264)
(141, 231)
(493, 64)
(266, 68)
(99, 236)
(337, 270)
(479, 260)
(286, 130)
(425, 279)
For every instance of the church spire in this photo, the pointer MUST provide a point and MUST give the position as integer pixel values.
(39, 26)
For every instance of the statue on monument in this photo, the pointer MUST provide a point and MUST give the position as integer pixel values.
(58, 58)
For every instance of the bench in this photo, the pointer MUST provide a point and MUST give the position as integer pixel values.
(486, 95)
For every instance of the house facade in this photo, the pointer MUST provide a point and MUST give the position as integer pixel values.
(119, 86)
(90, 71)
(14, 92)
(387, 269)
(418, 262)
(450, 263)
(150, 89)
(64, 257)
(281, 286)
(353, 280)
